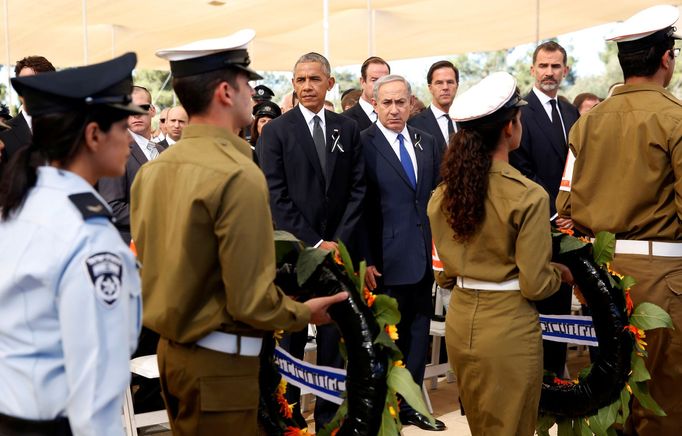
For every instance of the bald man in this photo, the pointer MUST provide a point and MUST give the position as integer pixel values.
(176, 120)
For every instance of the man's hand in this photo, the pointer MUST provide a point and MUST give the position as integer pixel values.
(566, 275)
(371, 277)
(564, 223)
(329, 246)
(318, 307)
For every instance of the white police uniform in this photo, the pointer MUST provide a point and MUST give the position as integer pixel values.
(71, 308)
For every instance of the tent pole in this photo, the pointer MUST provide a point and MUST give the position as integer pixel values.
(370, 29)
(537, 22)
(85, 32)
(325, 27)
(9, 61)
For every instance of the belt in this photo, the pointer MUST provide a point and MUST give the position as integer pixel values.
(508, 285)
(651, 248)
(231, 344)
(10, 425)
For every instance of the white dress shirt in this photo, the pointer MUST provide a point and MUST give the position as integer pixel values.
(442, 119)
(142, 142)
(369, 109)
(28, 119)
(544, 100)
(308, 115)
(392, 138)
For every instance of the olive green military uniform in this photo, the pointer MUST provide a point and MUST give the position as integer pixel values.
(493, 338)
(201, 224)
(627, 179)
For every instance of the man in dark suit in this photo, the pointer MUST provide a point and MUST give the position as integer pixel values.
(541, 157)
(362, 112)
(116, 190)
(401, 168)
(19, 133)
(313, 164)
(443, 80)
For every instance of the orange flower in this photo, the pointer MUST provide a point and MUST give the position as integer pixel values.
(629, 305)
(391, 410)
(336, 430)
(133, 247)
(369, 297)
(562, 382)
(399, 363)
(392, 332)
(294, 431)
(568, 232)
(639, 336)
(277, 334)
(612, 272)
(282, 387)
(584, 239)
(337, 258)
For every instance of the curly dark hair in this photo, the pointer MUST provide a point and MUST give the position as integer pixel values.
(464, 171)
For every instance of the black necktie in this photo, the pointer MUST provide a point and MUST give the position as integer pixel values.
(320, 146)
(451, 127)
(556, 123)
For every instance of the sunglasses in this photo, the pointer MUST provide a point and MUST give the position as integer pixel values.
(145, 107)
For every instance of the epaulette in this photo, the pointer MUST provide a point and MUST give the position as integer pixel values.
(90, 206)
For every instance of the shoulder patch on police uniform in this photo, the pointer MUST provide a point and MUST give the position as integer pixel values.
(106, 270)
(89, 205)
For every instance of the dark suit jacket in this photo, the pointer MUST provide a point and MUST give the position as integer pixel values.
(302, 201)
(18, 136)
(426, 122)
(356, 113)
(395, 225)
(541, 157)
(116, 190)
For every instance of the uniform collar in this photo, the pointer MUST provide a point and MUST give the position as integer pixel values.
(627, 88)
(194, 131)
(67, 181)
(498, 166)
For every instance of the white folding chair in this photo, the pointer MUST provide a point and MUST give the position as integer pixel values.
(146, 366)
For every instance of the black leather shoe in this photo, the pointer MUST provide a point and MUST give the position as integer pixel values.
(413, 417)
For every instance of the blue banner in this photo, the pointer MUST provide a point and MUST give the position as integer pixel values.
(322, 381)
(572, 329)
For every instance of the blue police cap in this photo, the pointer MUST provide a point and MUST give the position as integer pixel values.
(262, 93)
(267, 109)
(106, 84)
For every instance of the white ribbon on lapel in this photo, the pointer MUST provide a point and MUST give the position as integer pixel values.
(335, 138)
(418, 141)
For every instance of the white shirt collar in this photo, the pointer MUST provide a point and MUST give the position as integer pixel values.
(28, 119)
(141, 142)
(392, 136)
(437, 112)
(169, 140)
(368, 108)
(544, 98)
(309, 115)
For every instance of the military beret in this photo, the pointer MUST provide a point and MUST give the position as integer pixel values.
(108, 83)
(496, 91)
(646, 28)
(212, 54)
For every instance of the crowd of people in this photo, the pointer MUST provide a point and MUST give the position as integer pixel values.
(474, 181)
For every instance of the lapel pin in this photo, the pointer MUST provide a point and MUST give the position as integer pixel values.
(335, 141)
(418, 141)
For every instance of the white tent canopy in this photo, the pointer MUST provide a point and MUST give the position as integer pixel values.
(76, 32)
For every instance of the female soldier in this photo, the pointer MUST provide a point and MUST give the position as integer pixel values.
(263, 112)
(69, 287)
(491, 231)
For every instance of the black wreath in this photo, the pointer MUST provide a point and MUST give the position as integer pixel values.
(367, 367)
(607, 377)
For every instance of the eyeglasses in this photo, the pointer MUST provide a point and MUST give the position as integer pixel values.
(675, 52)
(145, 107)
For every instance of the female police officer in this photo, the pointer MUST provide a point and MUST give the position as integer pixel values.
(491, 232)
(69, 287)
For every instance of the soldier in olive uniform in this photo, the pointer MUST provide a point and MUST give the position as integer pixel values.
(625, 177)
(491, 232)
(201, 222)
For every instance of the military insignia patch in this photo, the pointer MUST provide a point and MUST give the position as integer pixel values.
(105, 271)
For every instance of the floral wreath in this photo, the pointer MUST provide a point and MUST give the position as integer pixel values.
(600, 396)
(376, 375)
